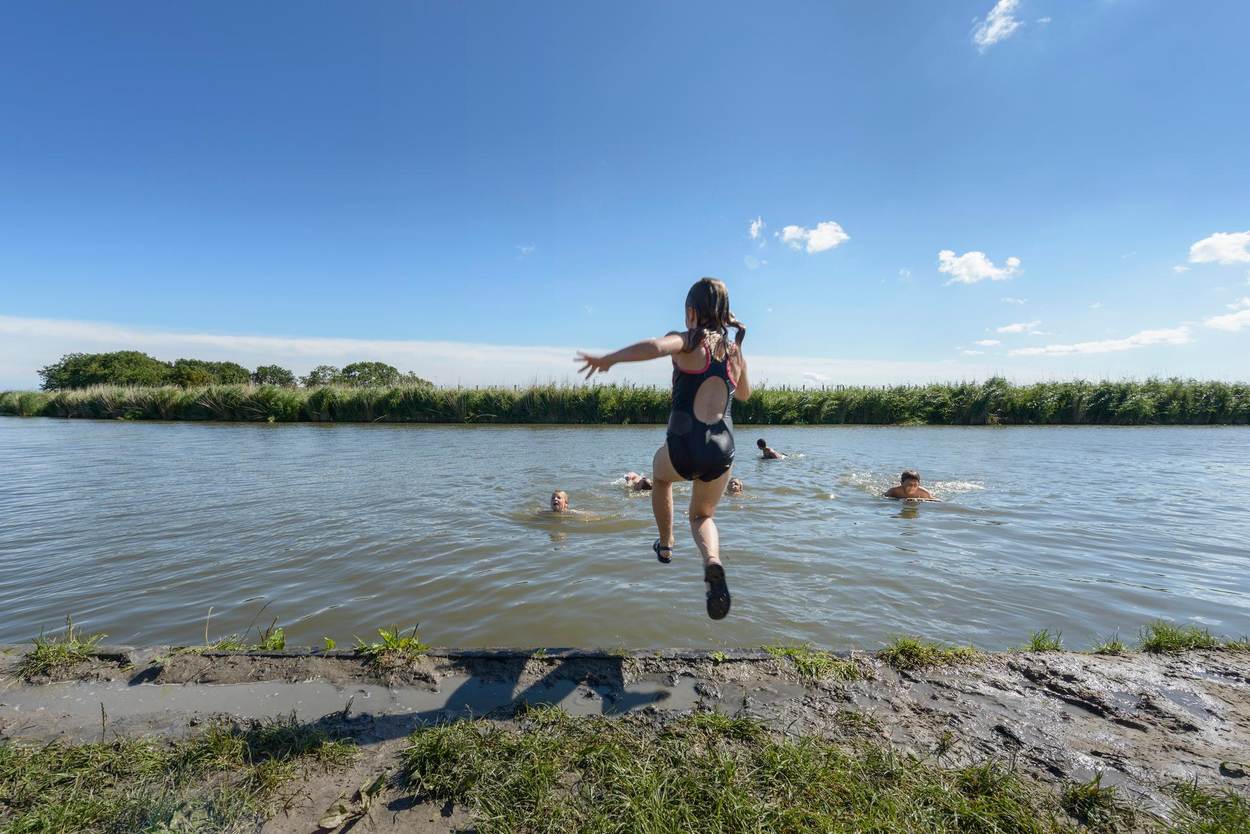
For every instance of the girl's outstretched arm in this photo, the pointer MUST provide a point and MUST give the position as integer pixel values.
(637, 352)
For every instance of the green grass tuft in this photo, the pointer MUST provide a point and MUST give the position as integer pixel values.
(1044, 641)
(707, 773)
(910, 654)
(271, 639)
(1204, 811)
(55, 654)
(813, 665)
(395, 648)
(1242, 645)
(1164, 637)
(224, 780)
(1112, 645)
(1096, 807)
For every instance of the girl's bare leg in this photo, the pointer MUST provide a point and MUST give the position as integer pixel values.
(662, 476)
(703, 500)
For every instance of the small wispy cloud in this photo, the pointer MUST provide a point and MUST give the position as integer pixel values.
(974, 267)
(967, 352)
(1222, 248)
(1044, 20)
(987, 342)
(753, 263)
(812, 376)
(1146, 338)
(826, 235)
(1000, 24)
(1128, 254)
(526, 250)
(1097, 305)
(1010, 300)
(1179, 268)
(756, 228)
(1231, 322)
(1017, 327)
(904, 275)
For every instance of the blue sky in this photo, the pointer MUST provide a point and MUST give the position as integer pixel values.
(473, 191)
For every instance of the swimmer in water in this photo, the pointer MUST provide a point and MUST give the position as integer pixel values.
(559, 501)
(767, 452)
(709, 373)
(909, 488)
(636, 482)
(735, 486)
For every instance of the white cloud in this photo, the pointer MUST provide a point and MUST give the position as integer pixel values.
(987, 342)
(757, 226)
(826, 235)
(526, 250)
(753, 263)
(1242, 303)
(1179, 268)
(1018, 327)
(1222, 248)
(974, 267)
(904, 275)
(1231, 322)
(1010, 300)
(1044, 20)
(27, 344)
(1097, 305)
(1173, 336)
(998, 25)
(812, 376)
(972, 352)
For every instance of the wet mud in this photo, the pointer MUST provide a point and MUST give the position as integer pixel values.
(1142, 721)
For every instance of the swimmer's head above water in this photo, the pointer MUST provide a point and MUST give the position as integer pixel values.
(909, 487)
(636, 482)
(734, 487)
(767, 452)
(559, 501)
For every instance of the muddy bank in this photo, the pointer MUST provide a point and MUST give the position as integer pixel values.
(1142, 720)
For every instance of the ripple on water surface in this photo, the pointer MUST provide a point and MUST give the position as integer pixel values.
(137, 529)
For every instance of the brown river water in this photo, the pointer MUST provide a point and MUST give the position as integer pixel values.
(137, 529)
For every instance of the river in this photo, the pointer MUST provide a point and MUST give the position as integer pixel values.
(137, 529)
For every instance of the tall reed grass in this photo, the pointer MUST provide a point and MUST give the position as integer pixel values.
(993, 402)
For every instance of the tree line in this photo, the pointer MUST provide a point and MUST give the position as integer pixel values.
(131, 367)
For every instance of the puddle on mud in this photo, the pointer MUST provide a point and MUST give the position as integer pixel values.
(72, 707)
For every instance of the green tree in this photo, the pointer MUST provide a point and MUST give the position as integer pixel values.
(273, 375)
(321, 375)
(410, 378)
(370, 374)
(123, 367)
(195, 372)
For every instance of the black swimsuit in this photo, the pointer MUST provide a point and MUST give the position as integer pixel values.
(697, 449)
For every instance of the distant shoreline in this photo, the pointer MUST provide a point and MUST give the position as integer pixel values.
(993, 402)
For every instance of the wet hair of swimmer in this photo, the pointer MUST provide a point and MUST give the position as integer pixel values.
(559, 499)
(761, 443)
(909, 475)
(735, 485)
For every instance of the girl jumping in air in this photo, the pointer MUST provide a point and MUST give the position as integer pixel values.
(709, 373)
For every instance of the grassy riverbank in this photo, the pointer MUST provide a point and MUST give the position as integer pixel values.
(546, 771)
(993, 402)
